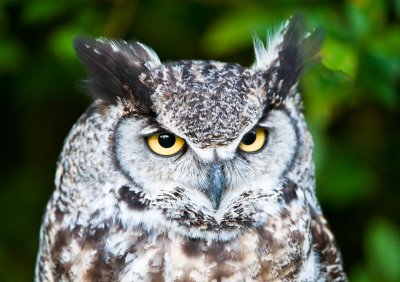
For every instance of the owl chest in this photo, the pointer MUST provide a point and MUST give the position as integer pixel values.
(254, 256)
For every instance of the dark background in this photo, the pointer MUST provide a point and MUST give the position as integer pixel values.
(351, 100)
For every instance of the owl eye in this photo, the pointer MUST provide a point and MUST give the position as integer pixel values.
(165, 144)
(254, 140)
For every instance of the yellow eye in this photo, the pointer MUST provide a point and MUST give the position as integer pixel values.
(254, 140)
(165, 144)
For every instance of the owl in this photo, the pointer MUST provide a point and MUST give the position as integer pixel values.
(190, 171)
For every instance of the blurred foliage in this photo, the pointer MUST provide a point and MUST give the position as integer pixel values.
(351, 101)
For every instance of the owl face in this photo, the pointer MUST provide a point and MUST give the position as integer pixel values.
(205, 146)
(199, 186)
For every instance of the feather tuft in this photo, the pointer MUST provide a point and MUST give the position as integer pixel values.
(118, 70)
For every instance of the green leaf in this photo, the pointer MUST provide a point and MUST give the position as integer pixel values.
(11, 55)
(60, 42)
(339, 56)
(387, 42)
(233, 31)
(383, 250)
(325, 91)
(397, 8)
(359, 274)
(36, 11)
(342, 180)
(385, 73)
(366, 17)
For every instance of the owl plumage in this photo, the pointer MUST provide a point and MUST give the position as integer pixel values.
(165, 177)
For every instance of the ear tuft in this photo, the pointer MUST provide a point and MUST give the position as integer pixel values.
(267, 54)
(287, 55)
(118, 70)
(290, 36)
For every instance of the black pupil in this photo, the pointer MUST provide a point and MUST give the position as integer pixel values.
(166, 140)
(249, 138)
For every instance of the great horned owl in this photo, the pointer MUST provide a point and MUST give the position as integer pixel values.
(190, 171)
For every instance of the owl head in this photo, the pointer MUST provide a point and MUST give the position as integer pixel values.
(204, 148)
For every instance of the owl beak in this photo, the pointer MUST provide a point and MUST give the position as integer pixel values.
(216, 184)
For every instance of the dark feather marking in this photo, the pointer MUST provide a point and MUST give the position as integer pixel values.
(133, 199)
(61, 239)
(285, 213)
(110, 269)
(217, 253)
(193, 247)
(222, 271)
(115, 75)
(92, 237)
(265, 270)
(101, 270)
(289, 191)
(292, 269)
(326, 249)
(296, 53)
(156, 277)
(267, 239)
(59, 214)
(297, 237)
(265, 236)
(157, 268)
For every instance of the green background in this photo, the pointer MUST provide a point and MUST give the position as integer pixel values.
(351, 100)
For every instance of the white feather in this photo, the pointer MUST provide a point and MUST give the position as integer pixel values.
(266, 54)
(155, 60)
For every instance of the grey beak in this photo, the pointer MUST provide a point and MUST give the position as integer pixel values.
(216, 182)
